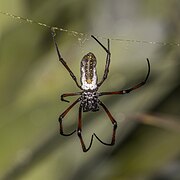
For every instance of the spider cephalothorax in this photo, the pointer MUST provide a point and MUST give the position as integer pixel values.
(89, 101)
(89, 96)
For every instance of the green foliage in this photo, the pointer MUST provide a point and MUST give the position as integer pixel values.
(32, 79)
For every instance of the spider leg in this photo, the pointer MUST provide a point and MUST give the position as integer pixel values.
(62, 116)
(114, 127)
(106, 71)
(80, 130)
(130, 89)
(62, 60)
(69, 94)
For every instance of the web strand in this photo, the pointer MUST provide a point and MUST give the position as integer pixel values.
(82, 37)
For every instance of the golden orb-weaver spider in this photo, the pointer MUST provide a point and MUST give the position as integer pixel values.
(89, 96)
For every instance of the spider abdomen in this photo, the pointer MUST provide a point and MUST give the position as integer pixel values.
(89, 101)
(88, 72)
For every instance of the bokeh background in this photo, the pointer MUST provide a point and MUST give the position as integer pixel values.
(32, 80)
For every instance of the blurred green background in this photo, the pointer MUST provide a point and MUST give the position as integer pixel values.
(32, 80)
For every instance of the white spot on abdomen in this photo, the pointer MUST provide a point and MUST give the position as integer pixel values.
(85, 85)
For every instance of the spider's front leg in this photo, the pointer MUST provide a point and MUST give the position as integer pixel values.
(113, 121)
(63, 115)
(69, 94)
(80, 130)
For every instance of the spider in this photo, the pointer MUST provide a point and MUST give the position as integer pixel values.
(89, 96)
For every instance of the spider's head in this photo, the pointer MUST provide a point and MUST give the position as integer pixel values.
(88, 72)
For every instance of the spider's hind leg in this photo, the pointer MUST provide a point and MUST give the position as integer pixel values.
(108, 59)
(62, 60)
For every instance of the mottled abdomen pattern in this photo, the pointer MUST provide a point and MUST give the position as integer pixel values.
(88, 72)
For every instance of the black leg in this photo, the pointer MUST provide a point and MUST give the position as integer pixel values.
(130, 89)
(106, 71)
(80, 130)
(62, 116)
(62, 60)
(69, 94)
(114, 127)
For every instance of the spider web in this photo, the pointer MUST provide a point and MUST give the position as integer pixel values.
(83, 37)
